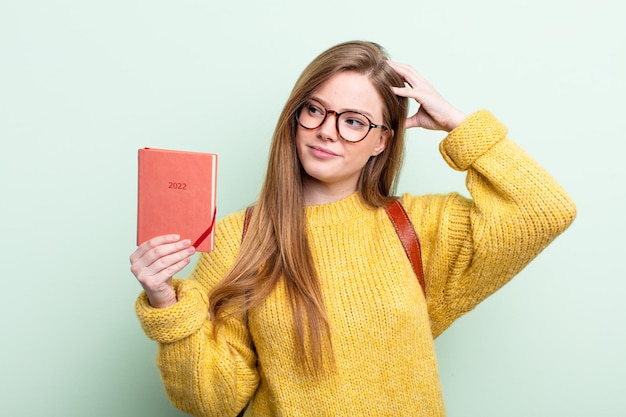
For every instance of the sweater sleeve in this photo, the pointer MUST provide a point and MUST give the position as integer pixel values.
(203, 375)
(475, 246)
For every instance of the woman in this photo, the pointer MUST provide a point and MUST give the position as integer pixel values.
(317, 312)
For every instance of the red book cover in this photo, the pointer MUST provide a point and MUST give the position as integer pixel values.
(176, 195)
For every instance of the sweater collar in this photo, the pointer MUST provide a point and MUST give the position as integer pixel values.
(337, 212)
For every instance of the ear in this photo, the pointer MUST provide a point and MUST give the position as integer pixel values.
(382, 142)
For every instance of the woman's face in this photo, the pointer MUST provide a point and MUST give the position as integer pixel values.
(329, 161)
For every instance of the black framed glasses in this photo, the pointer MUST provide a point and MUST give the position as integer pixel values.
(352, 126)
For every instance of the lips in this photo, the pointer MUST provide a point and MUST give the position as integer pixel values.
(321, 152)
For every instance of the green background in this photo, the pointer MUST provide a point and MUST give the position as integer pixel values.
(84, 84)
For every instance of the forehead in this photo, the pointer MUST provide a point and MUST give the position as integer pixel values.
(350, 91)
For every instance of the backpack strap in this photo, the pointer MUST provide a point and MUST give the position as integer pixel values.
(404, 229)
(408, 237)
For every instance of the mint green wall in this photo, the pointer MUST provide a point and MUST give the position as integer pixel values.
(83, 84)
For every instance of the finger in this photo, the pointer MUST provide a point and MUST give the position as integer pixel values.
(156, 258)
(405, 92)
(155, 282)
(151, 244)
(166, 256)
(399, 66)
(410, 75)
(166, 264)
(405, 72)
(411, 121)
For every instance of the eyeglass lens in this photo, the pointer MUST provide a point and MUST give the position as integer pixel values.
(352, 126)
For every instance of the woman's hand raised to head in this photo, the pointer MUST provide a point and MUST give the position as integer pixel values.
(155, 262)
(435, 112)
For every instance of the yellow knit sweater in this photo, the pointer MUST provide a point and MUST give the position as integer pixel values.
(382, 327)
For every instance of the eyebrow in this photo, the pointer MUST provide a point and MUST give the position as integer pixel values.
(343, 110)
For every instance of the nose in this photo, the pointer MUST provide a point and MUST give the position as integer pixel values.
(328, 128)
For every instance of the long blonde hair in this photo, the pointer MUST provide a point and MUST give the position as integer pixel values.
(275, 246)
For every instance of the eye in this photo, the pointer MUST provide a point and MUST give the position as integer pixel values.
(354, 121)
(314, 109)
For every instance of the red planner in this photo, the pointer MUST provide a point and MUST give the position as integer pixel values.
(176, 195)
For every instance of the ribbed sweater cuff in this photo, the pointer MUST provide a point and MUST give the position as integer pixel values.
(471, 139)
(171, 324)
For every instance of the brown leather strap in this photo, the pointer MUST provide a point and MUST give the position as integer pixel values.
(404, 229)
(408, 237)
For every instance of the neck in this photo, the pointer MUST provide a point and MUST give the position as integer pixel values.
(317, 192)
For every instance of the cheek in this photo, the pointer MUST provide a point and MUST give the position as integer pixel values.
(373, 148)
(299, 143)
(358, 156)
